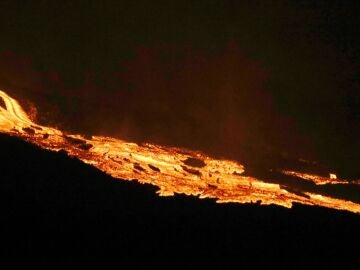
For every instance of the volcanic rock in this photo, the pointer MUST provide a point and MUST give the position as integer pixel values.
(194, 162)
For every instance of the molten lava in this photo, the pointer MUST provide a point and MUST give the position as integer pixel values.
(173, 170)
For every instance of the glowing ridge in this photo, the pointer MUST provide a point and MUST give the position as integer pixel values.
(173, 170)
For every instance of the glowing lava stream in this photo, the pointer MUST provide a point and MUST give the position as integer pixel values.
(173, 170)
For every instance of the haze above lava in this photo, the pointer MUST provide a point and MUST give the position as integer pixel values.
(183, 171)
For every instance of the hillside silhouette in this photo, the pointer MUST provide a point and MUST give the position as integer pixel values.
(57, 211)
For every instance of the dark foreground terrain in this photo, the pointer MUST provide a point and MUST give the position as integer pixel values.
(57, 211)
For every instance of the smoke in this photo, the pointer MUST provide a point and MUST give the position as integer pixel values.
(215, 101)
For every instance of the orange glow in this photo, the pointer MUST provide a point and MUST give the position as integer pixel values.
(320, 180)
(172, 170)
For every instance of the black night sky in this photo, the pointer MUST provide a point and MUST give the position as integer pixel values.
(254, 81)
(228, 77)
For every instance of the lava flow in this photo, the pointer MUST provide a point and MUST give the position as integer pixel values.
(172, 170)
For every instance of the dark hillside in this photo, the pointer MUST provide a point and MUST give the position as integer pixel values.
(55, 210)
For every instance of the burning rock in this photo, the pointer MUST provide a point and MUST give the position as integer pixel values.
(35, 127)
(2, 104)
(295, 191)
(154, 168)
(138, 167)
(28, 130)
(194, 162)
(80, 143)
(190, 170)
(73, 140)
(85, 146)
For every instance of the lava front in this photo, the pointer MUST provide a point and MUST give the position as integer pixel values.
(172, 170)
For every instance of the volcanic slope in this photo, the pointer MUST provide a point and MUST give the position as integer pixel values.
(57, 210)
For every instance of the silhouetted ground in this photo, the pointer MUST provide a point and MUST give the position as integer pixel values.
(57, 211)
